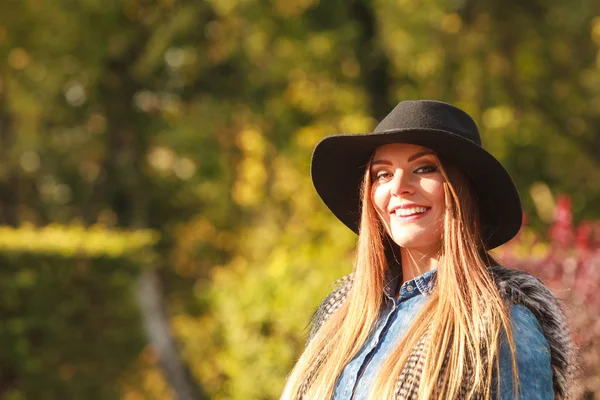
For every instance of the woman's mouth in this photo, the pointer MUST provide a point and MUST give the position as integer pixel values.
(410, 213)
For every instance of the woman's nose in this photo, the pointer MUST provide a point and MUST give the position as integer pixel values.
(402, 183)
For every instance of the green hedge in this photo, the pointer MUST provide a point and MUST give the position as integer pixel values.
(70, 327)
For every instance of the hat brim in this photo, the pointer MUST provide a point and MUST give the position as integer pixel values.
(339, 162)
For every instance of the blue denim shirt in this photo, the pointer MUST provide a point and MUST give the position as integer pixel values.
(532, 351)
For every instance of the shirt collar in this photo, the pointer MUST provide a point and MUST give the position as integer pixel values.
(422, 284)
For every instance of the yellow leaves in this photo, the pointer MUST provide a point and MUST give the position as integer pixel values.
(147, 101)
(284, 48)
(3, 33)
(356, 123)
(293, 8)
(251, 142)
(497, 64)
(251, 172)
(561, 51)
(316, 95)
(155, 382)
(262, 304)
(96, 123)
(595, 31)
(320, 44)
(177, 57)
(308, 136)
(201, 228)
(428, 62)
(286, 179)
(74, 240)
(223, 7)
(150, 382)
(256, 44)
(247, 190)
(25, 278)
(184, 168)
(165, 161)
(350, 68)
(306, 94)
(195, 335)
(189, 237)
(29, 161)
(174, 22)
(227, 36)
(161, 158)
(529, 246)
(401, 44)
(18, 58)
(543, 200)
(173, 109)
(576, 126)
(498, 117)
(310, 94)
(527, 59)
(165, 3)
(452, 23)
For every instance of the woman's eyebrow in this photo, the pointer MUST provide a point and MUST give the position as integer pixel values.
(384, 162)
(420, 154)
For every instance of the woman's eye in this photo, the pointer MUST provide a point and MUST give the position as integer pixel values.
(383, 176)
(427, 169)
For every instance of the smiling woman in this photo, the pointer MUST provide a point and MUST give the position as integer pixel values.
(427, 313)
(408, 195)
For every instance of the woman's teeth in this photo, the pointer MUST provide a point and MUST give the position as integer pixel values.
(405, 212)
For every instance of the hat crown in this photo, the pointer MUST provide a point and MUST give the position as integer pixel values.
(430, 114)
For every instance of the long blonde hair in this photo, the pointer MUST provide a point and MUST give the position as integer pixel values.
(464, 315)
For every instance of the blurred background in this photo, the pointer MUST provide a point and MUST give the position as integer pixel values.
(160, 237)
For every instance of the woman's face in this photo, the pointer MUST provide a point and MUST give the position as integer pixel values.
(408, 194)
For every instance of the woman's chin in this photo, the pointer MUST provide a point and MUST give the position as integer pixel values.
(417, 242)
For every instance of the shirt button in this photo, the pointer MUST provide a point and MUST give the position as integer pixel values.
(409, 288)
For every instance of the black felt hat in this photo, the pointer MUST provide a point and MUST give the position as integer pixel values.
(339, 162)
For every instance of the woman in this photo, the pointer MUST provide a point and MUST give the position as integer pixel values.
(427, 313)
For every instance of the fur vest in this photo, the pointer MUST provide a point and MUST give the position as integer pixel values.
(515, 287)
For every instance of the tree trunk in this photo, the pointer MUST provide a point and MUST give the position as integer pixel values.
(150, 299)
(374, 64)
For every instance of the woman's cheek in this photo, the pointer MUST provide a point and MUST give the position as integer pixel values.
(380, 202)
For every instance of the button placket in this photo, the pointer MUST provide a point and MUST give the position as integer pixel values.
(378, 337)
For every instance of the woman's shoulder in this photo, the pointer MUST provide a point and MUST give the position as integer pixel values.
(527, 329)
(330, 304)
(534, 307)
(532, 356)
(523, 317)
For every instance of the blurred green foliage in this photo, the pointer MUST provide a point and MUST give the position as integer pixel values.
(197, 120)
(69, 316)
